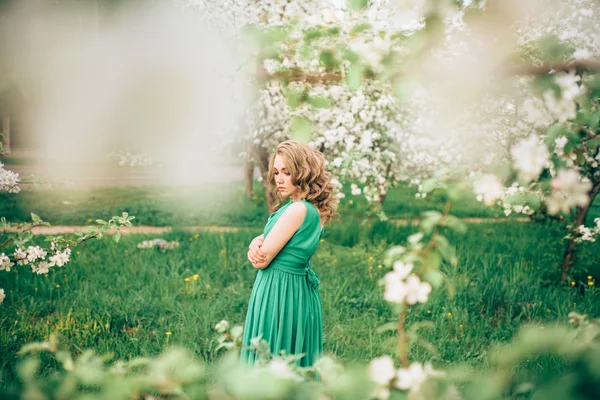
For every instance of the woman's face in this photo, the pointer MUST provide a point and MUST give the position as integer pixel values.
(282, 177)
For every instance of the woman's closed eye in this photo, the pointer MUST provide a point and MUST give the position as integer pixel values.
(277, 173)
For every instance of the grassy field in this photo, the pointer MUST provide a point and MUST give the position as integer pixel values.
(116, 298)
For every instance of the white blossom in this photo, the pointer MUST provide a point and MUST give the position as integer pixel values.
(281, 369)
(567, 191)
(5, 263)
(490, 189)
(402, 269)
(560, 143)
(222, 326)
(2, 295)
(60, 258)
(9, 180)
(416, 291)
(410, 378)
(530, 157)
(21, 256)
(34, 253)
(381, 370)
(42, 267)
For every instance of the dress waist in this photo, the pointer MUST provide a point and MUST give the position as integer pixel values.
(311, 278)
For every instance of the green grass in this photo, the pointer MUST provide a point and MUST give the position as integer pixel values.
(118, 299)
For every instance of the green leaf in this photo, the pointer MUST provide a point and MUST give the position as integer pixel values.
(319, 102)
(455, 224)
(294, 97)
(428, 185)
(358, 5)
(101, 222)
(435, 278)
(34, 217)
(355, 76)
(349, 55)
(359, 28)
(312, 33)
(390, 326)
(117, 236)
(327, 58)
(301, 129)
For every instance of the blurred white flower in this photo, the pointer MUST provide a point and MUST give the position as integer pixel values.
(410, 378)
(567, 191)
(489, 187)
(281, 369)
(560, 142)
(395, 288)
(2, 295)
(563, 108)
(569, 85)
(530, 157)
(382, 370)
(222, 326)
(402, 269)
(416, 291)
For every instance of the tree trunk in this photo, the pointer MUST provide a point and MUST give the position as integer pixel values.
(262, 156)
(6, 131)
(249, 177)
(580, 215)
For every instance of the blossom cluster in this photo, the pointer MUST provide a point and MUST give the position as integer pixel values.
(35, 256)
(583, 233)
(9, 180)
(386, 376)
(403, 287)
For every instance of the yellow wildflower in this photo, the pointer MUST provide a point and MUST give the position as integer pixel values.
(90, 220)
(196, 276)
(591, 283)
(371, 258)
(196, 236)
(572, 283)
(449, 314)
(186, 279)
(58, 286)
(460, 326)
(168, 334)
(380, 266)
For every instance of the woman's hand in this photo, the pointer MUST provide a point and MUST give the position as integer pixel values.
(255, 255)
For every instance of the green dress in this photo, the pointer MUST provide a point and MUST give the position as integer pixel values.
(285, 306)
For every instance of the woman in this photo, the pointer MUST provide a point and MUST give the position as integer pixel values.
(285, 306)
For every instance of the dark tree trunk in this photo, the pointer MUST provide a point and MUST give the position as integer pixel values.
(262, 157)
(249, 177)
(580, 216)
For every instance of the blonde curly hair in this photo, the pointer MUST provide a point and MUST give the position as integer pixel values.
(307, 169)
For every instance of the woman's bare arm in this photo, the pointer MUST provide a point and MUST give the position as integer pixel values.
(283, 230)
